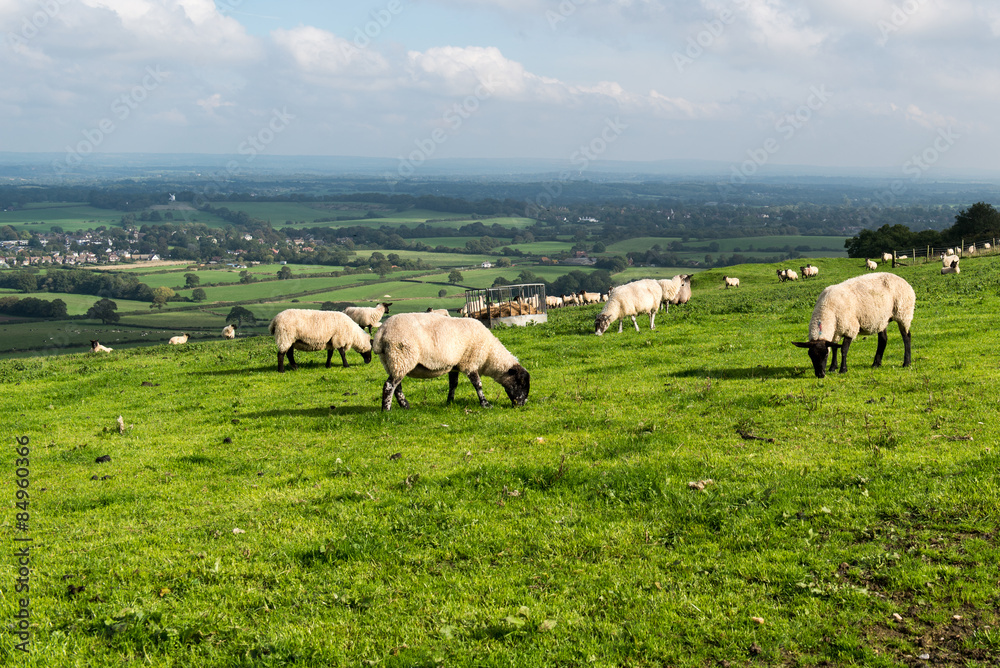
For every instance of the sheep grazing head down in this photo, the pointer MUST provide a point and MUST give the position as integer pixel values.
(818, 352)
(516, 382)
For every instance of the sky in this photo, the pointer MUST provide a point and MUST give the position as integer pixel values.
(911, 86)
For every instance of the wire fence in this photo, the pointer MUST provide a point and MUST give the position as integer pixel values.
(918, 255)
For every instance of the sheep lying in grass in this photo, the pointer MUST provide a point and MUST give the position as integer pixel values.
(860, 305)
(418, 346)
(809, 270)
(439, 311)
(229, 332)
(951, 268)
(311, 330)
(946, 260)
(631, 299)
(367, 316)
(178, 340)
(731, 282)
(871, 265)
(96, 347)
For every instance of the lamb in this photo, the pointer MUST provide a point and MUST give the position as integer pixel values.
(872, 266)
(439, 311)
(178, 340)
(367, 316)
(311, 330)
(229, 332)
(96, 347)
(731, 282)
(643, 296)
(946, 260)
(415, 345)
(887, 257)
(809, 270)
(861, 305)
(951, 268)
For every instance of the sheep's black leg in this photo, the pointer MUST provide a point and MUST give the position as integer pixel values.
(906, 346)
(291, 359)
(387, 391)
(843, 354)
(329, 358)
(452, 384)
(833, 361)
(343, 356)
(403, 403)
(478, 384)
(883, 339)
(281, 362)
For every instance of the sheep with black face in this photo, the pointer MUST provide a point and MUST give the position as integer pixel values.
(860, 305)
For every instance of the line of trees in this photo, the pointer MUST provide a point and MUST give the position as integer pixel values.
(979, 221)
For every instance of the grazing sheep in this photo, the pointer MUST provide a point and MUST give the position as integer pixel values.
(553, 302)
(438, 311)
(787, 275)
(569, 300)
(589, 297)
(809, 270)
(311, 330)
(411, 344)
(946, 260)
(860, 305)
(96, 347)
(178, 340)
(671, 287)
(871, 265)
(731, 282)
(972, 249)
(886, 257)
(951, 268)
(367, 316)
(605, 296)
(643, 296)
(229, 332)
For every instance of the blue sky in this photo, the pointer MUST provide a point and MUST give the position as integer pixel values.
(905, 85)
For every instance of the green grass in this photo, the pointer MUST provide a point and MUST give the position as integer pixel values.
(563, 533)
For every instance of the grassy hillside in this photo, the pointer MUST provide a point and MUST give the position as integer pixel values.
(249, 518)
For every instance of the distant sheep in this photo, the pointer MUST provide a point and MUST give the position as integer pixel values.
(860, 305)
(946, 260)
(972, 249)
(178, 340)
(671, 288)
(871, 265)
(951, 268)
(887, 257)
(439, 311)
(414, 345)
(311, 330)
(589, 297)
(809, 271)
(229, 332)
(987, 246)
(367, 316)
(631, 299)
(902, 257)
(96, 347)
(950, 251)
(731, 282)
(787, 275)
(553, 302)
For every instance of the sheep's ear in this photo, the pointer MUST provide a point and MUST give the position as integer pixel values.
(803, 344)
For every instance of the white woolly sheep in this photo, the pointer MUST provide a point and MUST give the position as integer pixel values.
(887, 257)
(671, 287)
(787, 275)
(178, 340)
(950, 251)
(415, 345)
(946, 260)
(570, 300)
(809, 270)
(367, 316)
(553, 302)
(631, 299)
(972, 249)
(861, 305)
(439, 311)
(951, 268)
(96, 347)
(684, 294)
(987, 246)
(311, 330)
(731, 282)
(871, 265)
(902, 257)
(229, 332)
(589, 297)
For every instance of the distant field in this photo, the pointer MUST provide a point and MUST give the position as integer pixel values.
(76, 216)
(822, 246)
